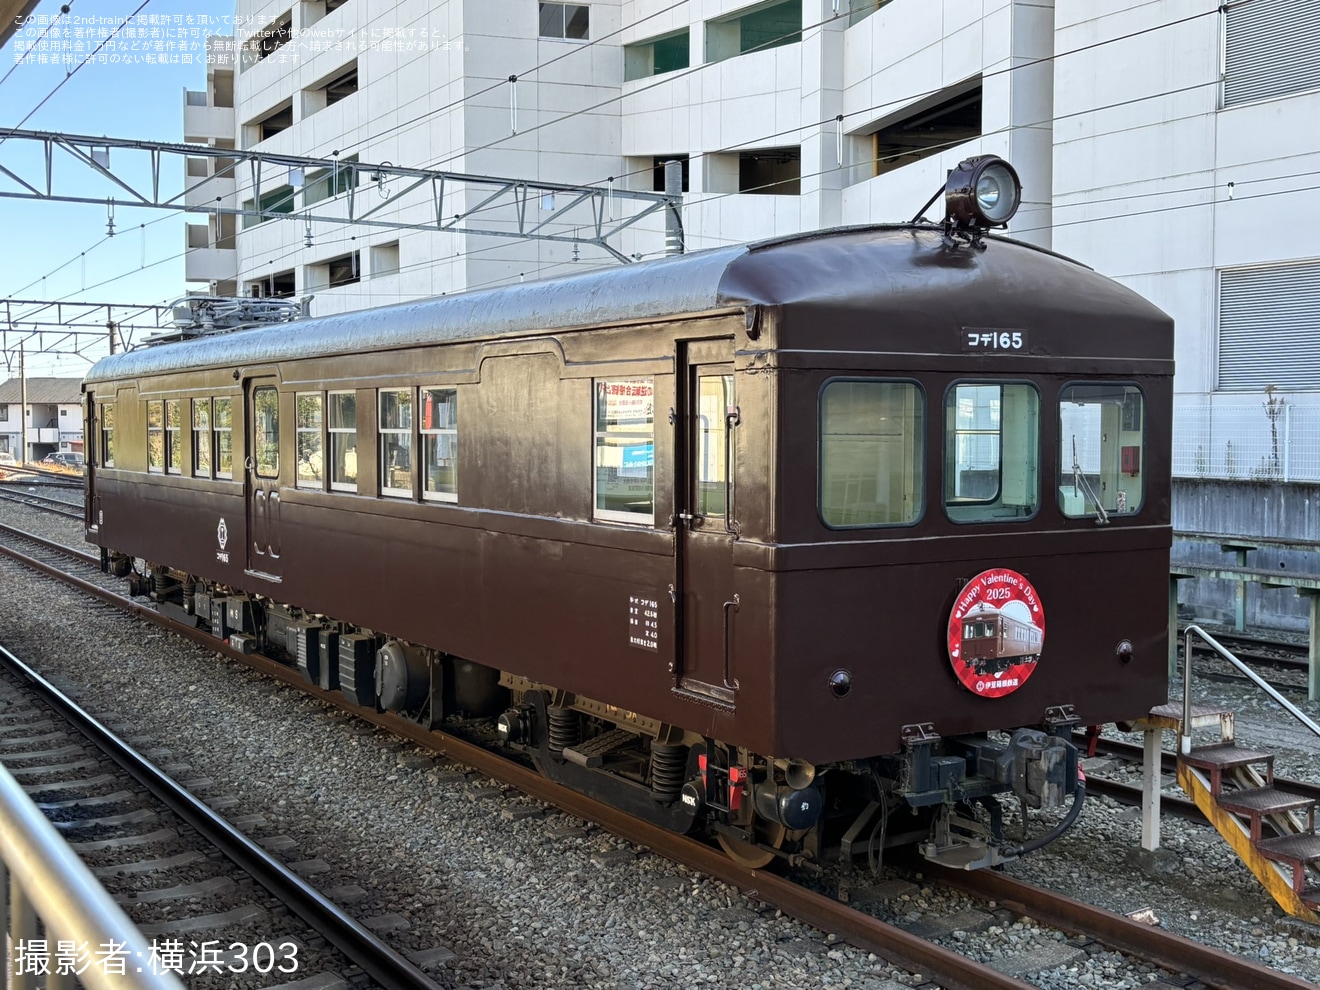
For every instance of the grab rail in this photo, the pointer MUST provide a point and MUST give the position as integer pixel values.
(1185, 738)
(46, 879)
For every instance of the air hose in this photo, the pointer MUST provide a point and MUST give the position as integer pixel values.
(1031, 845)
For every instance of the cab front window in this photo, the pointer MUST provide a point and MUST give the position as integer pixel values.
(991, 452)
(1101, 450)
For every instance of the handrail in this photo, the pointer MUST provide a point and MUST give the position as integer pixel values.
(45, 874)
(1185, 738)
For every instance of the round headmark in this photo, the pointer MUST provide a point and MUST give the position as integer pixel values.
(996, 632)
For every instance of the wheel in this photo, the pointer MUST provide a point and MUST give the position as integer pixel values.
(751, 855)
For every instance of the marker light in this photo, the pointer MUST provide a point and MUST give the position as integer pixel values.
(982, 192)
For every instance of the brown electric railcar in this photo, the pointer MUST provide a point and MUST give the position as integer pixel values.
(697, 531)
(993, 640)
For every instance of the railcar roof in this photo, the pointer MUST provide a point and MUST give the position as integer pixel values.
(822, 266)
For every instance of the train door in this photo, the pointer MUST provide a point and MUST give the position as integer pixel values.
(705, 521)
(262, 465)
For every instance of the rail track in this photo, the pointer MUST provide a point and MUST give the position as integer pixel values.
(30, 497)
(1155, 946)
(91, 784)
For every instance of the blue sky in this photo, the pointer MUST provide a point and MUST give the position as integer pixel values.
(130, 96)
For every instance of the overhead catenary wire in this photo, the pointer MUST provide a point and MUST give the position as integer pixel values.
(872, 109)
(64, 10)
(74, 71)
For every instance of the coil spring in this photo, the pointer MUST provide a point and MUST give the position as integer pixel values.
(668, 768)
(565, 729)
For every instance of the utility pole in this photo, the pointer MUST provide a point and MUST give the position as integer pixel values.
(23, 411)
(110, 325)
(674, 208)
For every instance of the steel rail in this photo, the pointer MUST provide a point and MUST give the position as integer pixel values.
(1212, 967)
(48, 878)
(893, 944)
(377, 959)
(36, 501)
(80, 555)
(1181, 955)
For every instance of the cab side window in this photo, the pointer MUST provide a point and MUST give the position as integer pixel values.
(872, 453)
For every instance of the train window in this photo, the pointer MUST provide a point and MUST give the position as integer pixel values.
(714, 468)
(342, 419)
(311, 459)
(156, 435)
(173, 436)
(440, 444)
(396, 442)
(1101, 437)
(107, 435)
(625, 450)
(223, 431)
(872, 453)
(266, 431)
(991, 452)
(201, 437)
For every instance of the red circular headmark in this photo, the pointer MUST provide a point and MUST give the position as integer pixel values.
(996, 632)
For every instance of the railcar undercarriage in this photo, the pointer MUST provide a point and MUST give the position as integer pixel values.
(941, 794)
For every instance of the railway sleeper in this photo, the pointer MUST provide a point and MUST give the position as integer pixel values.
(940, 794)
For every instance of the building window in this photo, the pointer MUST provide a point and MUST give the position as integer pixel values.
(1269, 327)
(173, 436)
(440, 444)
(770, 172)
(343, 270)
(385, 259)
(276, 201)
(343, 85)
(107, 434)
(658, 170)
(278, 120)
(330, 90)
(311, 460)
(271, 38)
(223, 429)
(64, 412)
(650, 58)
(342, 421)
(625, 450)
(201, 438)
(266, 431)
(991, 452)
(156, 435)
(1269, 50)
(860, 10)
(4, 413)
(326, 183)
(565, 20)
(929, 127)
(767, 27)
(1101, 462)
(277, 285)
(872, 453)
(396, 442)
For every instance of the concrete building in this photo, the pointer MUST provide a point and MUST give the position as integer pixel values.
(53, 421)
(1170, 144)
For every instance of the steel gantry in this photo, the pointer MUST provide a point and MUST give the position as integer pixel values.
(61, 327)
(595, 213)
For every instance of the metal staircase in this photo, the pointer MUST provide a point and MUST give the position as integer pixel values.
(1271, 830)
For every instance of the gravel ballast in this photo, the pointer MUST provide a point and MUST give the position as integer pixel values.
(527, 897)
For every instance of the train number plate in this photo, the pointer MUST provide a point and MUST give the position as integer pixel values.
(987, 339)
